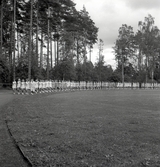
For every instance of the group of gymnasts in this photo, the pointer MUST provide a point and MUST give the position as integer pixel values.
(43, 86)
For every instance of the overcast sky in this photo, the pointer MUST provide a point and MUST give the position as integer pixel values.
(109, 15)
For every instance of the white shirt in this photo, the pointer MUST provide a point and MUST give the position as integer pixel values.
(19, 84)
(14, 85)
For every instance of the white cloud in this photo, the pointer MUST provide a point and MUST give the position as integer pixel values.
(143, 4)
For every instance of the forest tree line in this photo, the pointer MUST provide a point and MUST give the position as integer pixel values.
(138, 54)
(46, 40)
(51, 40)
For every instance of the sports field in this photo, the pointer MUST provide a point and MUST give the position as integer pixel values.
(100, 128)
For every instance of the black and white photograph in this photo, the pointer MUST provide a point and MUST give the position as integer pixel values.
(79, 83)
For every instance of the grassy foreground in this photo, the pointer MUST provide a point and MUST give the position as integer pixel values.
(110, 128)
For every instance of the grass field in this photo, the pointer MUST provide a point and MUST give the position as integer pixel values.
(109, 128)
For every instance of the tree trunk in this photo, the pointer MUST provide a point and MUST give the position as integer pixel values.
(146, 68)
(14, 41)
(21, 49)
(122, 69)
(10, 51)
(152, 76)
(30, 43)
(1, 28)
(153, 65)
(55, 52)
(140, 68)
(90, 50)
(41, 54)
(18, 58)
(77, 53)
(48, 51)
(51, 51)
(37, 35)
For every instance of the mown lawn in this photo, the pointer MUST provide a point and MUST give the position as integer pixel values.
(109, 128)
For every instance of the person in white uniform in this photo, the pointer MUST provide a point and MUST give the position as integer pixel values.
(28, 90)
(23, 87)
(19, 86)
(14, 87)
(32, 87)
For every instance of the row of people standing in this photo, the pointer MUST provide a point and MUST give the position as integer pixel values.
(44, 86)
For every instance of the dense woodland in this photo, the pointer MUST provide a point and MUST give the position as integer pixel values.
(138, 54)
(50, 39)
(46, 40)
